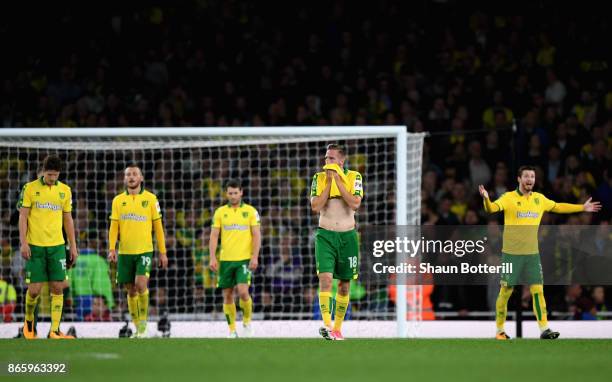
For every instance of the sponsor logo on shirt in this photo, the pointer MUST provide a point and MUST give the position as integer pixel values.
(528, 214)
(134, 217)
(48, 206)
(235, 227)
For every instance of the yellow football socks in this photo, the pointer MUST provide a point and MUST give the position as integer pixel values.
(57, 303)
(143, 305)
(325, 305)
(539, 305)
(133, 308)
(230, 315)
(30, 306)
(247, 310)
(501, 307)
(342, 303)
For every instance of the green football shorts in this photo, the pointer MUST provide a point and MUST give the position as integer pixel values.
(337, 253)
(232, 273)
(46, 264)
(130, 266)
(526, 270)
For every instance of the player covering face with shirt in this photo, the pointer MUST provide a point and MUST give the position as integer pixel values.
(336, 194)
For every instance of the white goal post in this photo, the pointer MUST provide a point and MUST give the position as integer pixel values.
(393, 156)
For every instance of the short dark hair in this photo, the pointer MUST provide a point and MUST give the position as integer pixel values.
(337, 147)
(51, 163)
(233, 183)
(525, 168)
(132, 165)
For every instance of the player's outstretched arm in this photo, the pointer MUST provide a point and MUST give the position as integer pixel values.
(567, 208)
(488, 206)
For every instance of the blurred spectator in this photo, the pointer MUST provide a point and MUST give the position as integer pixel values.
(477, 72)
(480, 173)
(555, 90)
(599, 301)
(90, 284)
(490, 114)
(205, 293)
(8, 297)
(285, 272)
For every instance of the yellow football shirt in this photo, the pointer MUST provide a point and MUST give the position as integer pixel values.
(47, 205)
(135, 214)
(522, 216)
(235, 228)
(354, 178)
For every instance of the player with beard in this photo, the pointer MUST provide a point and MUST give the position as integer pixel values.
(135, 213)
(523, 209)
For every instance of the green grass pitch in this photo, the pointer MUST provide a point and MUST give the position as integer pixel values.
(293, 360)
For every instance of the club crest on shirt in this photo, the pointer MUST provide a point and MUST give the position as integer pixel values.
(245, 215)
(37, 193)
(124, 204)
(537, 201)
(518, 204)
(145, 203)
(62, 195)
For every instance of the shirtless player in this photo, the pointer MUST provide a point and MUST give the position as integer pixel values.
(336, 194)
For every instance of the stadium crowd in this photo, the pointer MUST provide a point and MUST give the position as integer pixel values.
(494, 92)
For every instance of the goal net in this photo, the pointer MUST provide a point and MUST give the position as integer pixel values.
(186, 169)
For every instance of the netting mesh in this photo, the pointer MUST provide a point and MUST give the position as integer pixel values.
(187, 174)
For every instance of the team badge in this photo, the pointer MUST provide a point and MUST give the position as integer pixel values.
(537, 201)
(145, 203)
(37, 193)
(518, 204)
(62, 195)
(123, 204)
(245, 215)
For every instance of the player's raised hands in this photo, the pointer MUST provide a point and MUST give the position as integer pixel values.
(591, 206)
(483, 192)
